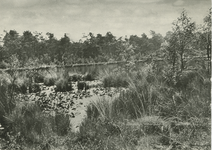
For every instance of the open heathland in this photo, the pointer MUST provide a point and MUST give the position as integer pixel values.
(137, 93)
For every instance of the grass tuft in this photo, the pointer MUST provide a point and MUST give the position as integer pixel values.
(115, 80)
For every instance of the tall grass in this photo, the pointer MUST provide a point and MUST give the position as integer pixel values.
(28, 121)
(183, 109)
(154, 109)
(50, 78)
(7, 102)
(25, 125)
(187, 99)
(115, 79)
(30, 127)
(140, 99)
(102, 108)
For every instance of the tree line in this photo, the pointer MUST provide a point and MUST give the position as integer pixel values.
(186, 39)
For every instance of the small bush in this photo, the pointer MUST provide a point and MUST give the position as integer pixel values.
(50, 78)
(75, 77)
(184, 78)
(102, 108)
(81, 85)
(26, 120)
(61, 124)
(34, 88)
(20, 84)
(30, 127)
(22, 89)
(187, 99)
(63, 85)
(115, 80)
(7, 102)
(140, 99)
(4, 107)
(88, 77)
(3, 65)
(35, 76)
(95, 135)
(38, 78)
(49, 81)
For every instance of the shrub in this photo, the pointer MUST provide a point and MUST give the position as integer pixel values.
(38, 78)
(3, 65)
(21, 84)
(49, 81)
(184, 78)
(138, 101)
(94, 135)
(100, 130)
(28, 121)
(61, 123)
(90, 136)
(34, 88)
(115, 80)
(30, 127)
(81, 85)
(22, 89)
(7, 102)
(187, 99)
(141, 97)
(88, 77)
(63, 85)
(75, 77)
(102, 108)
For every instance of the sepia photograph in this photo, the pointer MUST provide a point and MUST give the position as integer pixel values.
(105, 74)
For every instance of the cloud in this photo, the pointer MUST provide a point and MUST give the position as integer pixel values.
(8, 4)
(148, 1)
(121, 17)
(17, 3)
(179, 3)
(132, 1)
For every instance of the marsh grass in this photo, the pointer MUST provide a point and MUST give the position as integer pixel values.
(38, 77)
(115, 79)
(7, 102)
(156, 112)
(25, 125)
(28, 121)
(50, 78)
(30, 127)
(99, 131)
(22, 84)
(62, 124)
(102, 108)
(192, 99)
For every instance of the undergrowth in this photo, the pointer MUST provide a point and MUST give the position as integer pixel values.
(115, 79)
(181, 105)
(157, 110)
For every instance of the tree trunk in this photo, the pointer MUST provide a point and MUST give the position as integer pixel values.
(209, 57)
(209, 53)
(181, 61)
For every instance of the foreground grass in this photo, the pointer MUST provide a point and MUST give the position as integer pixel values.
(154, 112)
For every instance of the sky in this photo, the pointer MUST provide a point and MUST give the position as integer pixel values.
(79, 17)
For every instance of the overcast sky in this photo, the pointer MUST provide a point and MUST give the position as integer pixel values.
(75, 17)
